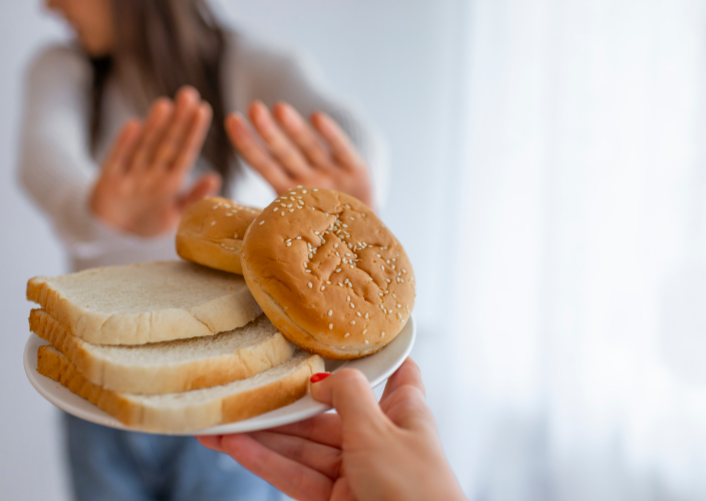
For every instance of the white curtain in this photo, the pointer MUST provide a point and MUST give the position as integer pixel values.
(578, 299)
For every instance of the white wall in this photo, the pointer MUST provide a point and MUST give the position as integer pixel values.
(394, 57)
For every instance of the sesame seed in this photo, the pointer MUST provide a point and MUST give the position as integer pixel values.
(338, 270)
(347, 334)
(299, 238)
(283, 213)
(316, 189)
(262, 222)
(352, 305)
(367, 342)
(364, 331)
(335, 246)
(291, 210)
(345, 225)
(357, 313)
(352, 218)
(323, 287)
(330, 326)
(214, 207)
(310, 285)
(340, 284)
(387, 280)
(382, 334)
(316, 233)
(352, 322)
(383, 268)
(235, 236)
(213, 223)
(283, 205)
(329, 283)
(303, 191)
(404, 271)
(307, 271)
(289, 243)
(399, 315)
(366, 316)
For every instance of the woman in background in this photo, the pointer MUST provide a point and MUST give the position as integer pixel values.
(114, 187)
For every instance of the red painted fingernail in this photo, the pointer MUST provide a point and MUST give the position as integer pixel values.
(319, 376)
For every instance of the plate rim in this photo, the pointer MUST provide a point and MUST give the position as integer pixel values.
(260, 422)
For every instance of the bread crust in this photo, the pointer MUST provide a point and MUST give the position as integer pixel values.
(211, 233)
(233, 307)
(328, 273)
(164, 378)
(134, 412)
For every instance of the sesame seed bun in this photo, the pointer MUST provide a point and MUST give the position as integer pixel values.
(328, 273)
(211, 233)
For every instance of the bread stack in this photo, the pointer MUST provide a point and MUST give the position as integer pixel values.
(166, 347)
(179, 346)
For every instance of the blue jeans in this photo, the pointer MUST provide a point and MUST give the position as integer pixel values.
(115, 465)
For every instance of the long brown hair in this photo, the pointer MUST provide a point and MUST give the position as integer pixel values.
(160, 46)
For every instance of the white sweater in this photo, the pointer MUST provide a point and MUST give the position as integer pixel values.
(58, 171)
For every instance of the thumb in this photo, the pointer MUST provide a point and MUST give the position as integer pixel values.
(349, 392)
(208, 184)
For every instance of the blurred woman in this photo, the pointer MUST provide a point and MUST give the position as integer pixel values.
(114, 186)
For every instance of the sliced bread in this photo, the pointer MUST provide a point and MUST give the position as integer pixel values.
(145, 303)
(170, 366)
(192, 410)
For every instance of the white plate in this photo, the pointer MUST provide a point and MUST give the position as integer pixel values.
(377, 368)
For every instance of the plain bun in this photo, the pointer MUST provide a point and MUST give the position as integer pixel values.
(211, 233)
(328, 273)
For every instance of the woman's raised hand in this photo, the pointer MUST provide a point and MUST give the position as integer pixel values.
(291, 152)
(139, 188)
(367, 451)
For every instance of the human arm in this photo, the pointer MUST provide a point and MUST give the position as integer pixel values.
(55, 165)
(367, 451)
(100, 209)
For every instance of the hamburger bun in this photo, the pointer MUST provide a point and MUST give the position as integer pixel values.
(328, 273)
(211, 233)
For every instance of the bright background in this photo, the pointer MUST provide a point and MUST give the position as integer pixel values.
(549, 183)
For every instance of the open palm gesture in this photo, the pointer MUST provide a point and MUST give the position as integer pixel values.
(288, 151)
(139, 189)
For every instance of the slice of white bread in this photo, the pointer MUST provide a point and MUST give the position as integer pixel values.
(191, 410)
(170, 366)
(145, 303)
